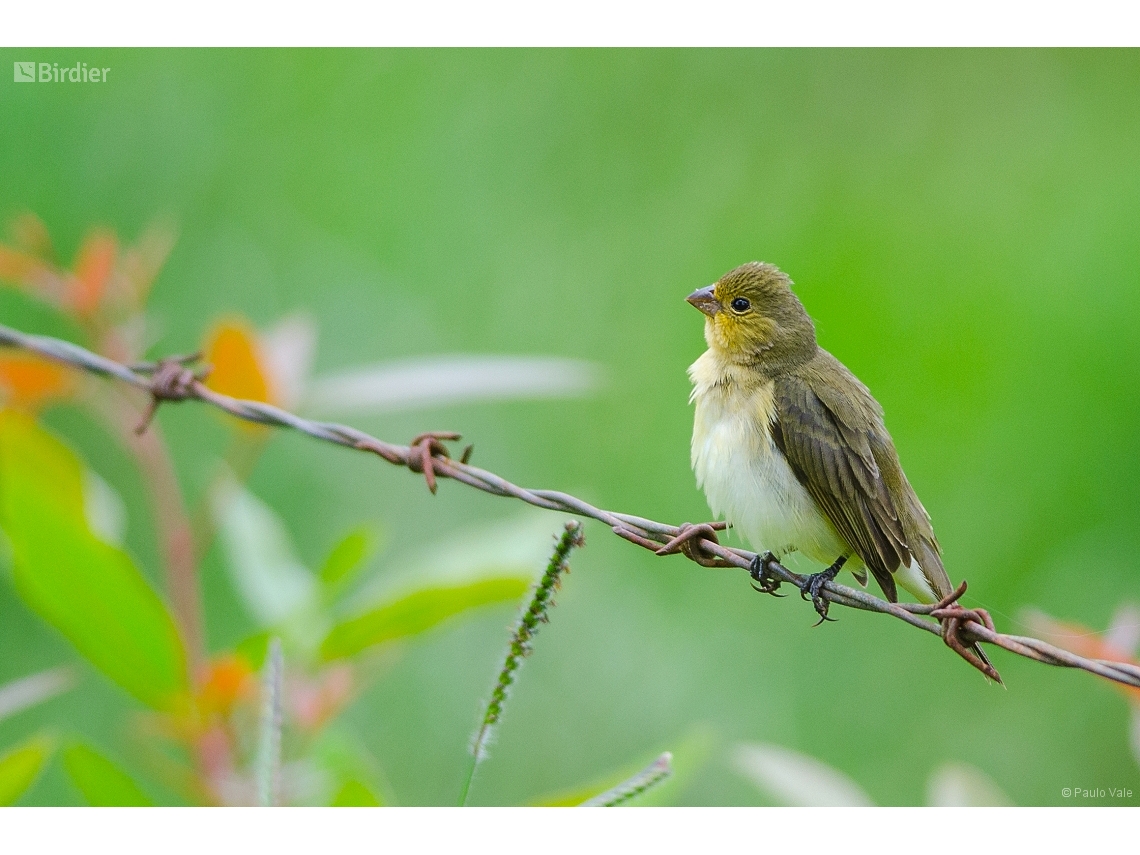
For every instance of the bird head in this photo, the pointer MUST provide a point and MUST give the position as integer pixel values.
(752, 316)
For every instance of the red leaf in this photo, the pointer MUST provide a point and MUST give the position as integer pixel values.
(93, 267)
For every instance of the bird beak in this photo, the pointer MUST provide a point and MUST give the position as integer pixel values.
(704, 300)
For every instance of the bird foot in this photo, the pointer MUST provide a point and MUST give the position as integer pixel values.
(954, 617)
(813, 585)
(763, 580)
(688, 542)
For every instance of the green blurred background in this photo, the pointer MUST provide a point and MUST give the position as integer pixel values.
(962, 225)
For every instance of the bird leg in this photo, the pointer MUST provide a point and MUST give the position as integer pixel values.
(814, 583)
(763, 579)
(688, 541)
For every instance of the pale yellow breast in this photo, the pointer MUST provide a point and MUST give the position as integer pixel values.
(745, 477)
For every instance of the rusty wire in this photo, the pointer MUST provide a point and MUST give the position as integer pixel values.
(172, 380)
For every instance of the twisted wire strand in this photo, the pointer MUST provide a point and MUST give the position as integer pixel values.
(152, 378)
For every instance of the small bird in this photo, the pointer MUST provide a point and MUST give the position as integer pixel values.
(790, 448)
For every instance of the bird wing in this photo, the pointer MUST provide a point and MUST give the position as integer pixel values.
(832, 442)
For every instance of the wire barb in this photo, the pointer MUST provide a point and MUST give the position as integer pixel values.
(969, 627)
(426, 446)
(688, 541)
(954, 618)
(170, 380)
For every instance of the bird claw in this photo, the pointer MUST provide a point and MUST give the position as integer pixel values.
(688, 542)
(422, 453)
(768, 583)
(813, 585)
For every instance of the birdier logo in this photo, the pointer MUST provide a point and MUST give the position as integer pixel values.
(52, 72)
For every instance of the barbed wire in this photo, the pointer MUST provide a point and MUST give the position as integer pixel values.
(172, 379)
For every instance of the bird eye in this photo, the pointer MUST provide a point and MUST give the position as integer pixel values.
(740, 304)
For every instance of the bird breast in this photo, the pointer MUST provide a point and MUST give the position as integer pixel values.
(745, 477)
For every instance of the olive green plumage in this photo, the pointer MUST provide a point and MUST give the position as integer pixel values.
(801, 407)
(831, 431)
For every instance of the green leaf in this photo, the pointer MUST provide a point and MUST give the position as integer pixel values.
(340, 755)
(518, 546)
(436, 380)
(254, 648)
(20, 767)
(963, 785)
(104, 508)
(355, 794)
(795, 779)
(25, 692)
(260, 556)
(416, 613)
(347, 557)
(90, 591)
(102, 783)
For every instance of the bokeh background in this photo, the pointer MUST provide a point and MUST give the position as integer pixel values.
(962, 226)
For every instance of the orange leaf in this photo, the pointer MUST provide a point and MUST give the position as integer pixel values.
(94, 264)
(31, 234)
(238, 367)
(27, 382)
(19, 267)
(1082, 641)
(228, 680)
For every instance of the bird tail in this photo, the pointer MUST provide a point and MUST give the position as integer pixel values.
(934, 572)
(976, 649)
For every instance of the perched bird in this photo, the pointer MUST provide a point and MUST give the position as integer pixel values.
(791, 448)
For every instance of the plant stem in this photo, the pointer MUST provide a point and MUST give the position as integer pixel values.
(269, 747)
(520, 644)
(649, 777)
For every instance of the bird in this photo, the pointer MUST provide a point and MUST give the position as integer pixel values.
(791, 449)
